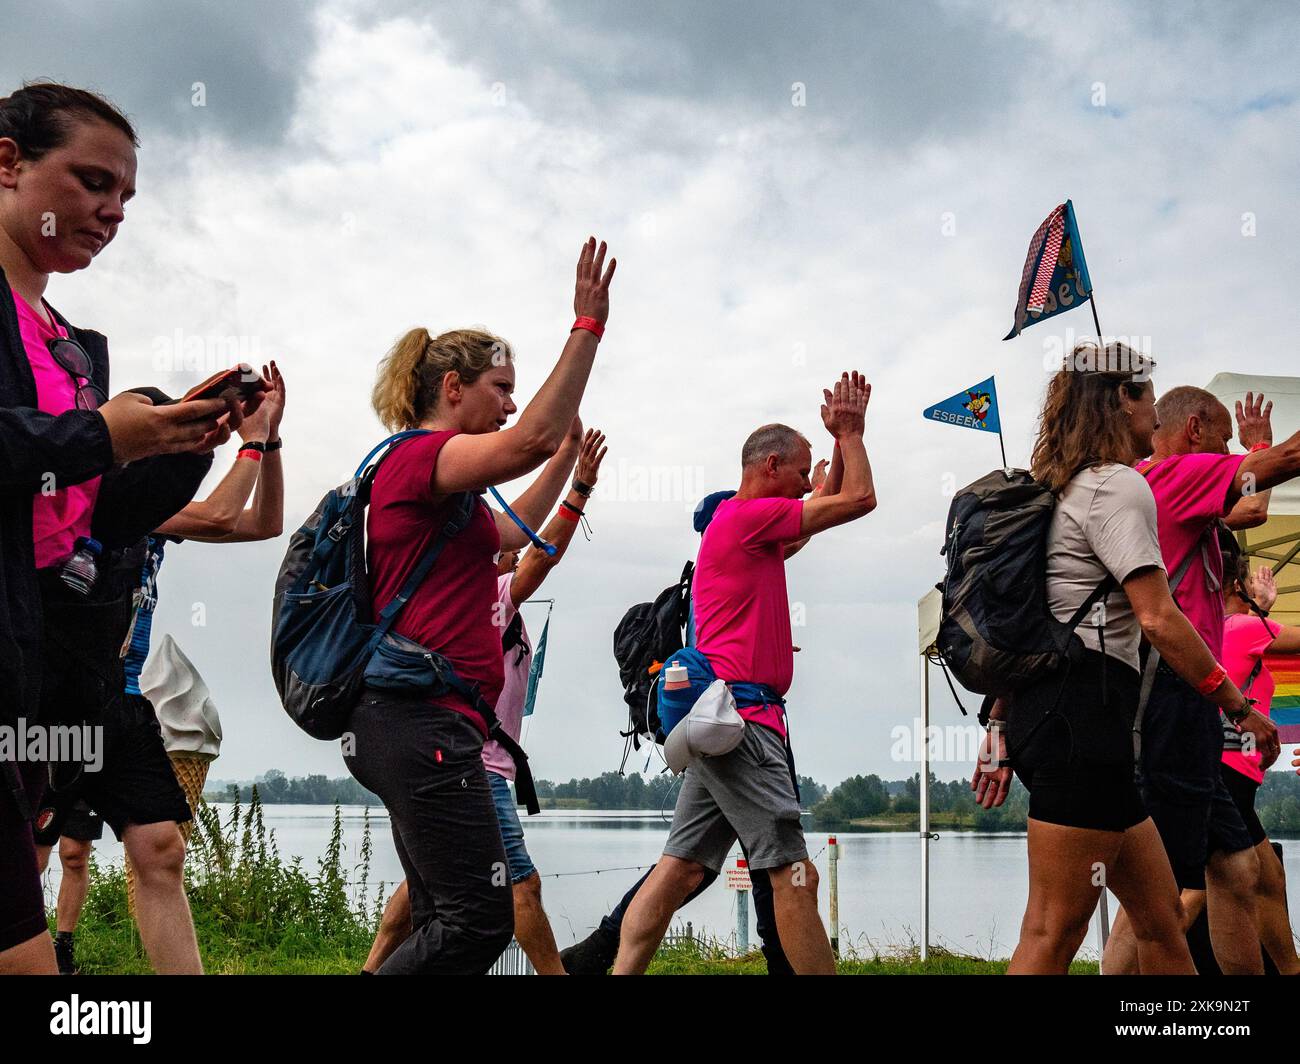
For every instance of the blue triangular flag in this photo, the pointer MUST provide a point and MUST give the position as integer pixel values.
(535, 668)
(975, 408)
(1055, 277)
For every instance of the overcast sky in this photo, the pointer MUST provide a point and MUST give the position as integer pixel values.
(790, 189)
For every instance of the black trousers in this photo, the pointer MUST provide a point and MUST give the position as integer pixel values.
(425, 763)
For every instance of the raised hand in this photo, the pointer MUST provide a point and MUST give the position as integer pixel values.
(591, 292)
(1263, 588)
(845, 409)
(1254, 421)
(819, 474)
(590, 457)
(264, 422)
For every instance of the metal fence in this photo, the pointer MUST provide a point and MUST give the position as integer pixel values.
(514, 961)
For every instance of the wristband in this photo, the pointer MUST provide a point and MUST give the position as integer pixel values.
(248, 452)
(568, 515)
(566, 505)
(273, 445)
(1212, 682)
(590, 324)
(582, 488)
(253, 445)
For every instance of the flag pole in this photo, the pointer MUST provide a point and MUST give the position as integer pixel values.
(1092, 302)
(1002, 448)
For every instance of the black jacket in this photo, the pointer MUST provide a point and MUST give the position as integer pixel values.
(74, 446)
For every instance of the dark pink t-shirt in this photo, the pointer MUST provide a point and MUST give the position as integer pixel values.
(61, 516)
(1190, 492)
(742, 613)
(452, 611)
(1245, 638)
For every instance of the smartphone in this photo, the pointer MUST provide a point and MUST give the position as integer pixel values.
(242, 378)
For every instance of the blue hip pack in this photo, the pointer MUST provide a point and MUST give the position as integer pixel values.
(674, 706)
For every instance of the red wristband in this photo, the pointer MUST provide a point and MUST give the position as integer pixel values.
(256, 456)
(1261, 446)
(591, 325)
(1212, 682)
(567, 514)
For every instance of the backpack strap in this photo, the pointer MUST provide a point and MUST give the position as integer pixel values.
(1153, 661)
(461, 506)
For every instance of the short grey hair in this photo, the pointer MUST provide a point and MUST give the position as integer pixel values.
(1178, 404)
(777, 439)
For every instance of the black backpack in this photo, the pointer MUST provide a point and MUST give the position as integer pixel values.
(997, 633)
(646, 636)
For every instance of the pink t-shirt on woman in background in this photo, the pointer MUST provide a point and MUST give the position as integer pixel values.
(742, 613)
(1245, 639)
(61, 516)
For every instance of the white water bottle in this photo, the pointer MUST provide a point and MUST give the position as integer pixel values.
(82, 570)
(676, 677)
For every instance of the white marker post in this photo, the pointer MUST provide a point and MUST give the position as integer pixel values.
(739, 881)
(833, 853)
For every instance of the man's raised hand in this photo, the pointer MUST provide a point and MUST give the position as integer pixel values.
(844, 410)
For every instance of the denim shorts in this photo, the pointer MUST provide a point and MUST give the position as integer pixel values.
(512, 832)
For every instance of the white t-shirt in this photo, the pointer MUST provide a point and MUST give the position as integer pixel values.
(510, 706)
(1104, 522)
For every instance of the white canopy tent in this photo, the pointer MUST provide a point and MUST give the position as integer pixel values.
(1275, 543)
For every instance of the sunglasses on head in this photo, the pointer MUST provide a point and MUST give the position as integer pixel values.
(76, 361)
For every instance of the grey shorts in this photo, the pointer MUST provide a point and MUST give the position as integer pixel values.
(746, 795)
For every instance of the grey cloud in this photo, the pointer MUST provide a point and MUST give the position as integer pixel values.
(147, 56)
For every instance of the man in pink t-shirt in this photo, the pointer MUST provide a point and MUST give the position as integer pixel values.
(1199, 488)
(742, 625)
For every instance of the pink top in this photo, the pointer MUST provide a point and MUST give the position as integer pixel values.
(510, 705)
(742, 613)
(1191, 491)
(1245, 638)
(59, 517)
(451, 612)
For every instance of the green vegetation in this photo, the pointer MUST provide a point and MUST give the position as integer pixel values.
(868, 801)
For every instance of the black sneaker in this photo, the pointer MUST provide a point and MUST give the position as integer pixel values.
(594, 955)
(63, 953)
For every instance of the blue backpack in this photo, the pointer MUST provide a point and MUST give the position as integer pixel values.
(324, 646)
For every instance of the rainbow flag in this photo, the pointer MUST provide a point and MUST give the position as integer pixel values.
(1285, 709)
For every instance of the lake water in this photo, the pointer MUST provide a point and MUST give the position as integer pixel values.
(588, 859)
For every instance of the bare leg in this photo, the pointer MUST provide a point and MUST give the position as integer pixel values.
(157, 854)
(75, 884)
(33, 957)
(1231, 880)
(1066, 870)
(394, 928)
(798, 924)
(1271, 916)
(652, 911)
(532, 928)
(1143, 880)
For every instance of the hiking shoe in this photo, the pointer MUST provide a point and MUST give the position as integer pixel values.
(63, 953)
(594, 955)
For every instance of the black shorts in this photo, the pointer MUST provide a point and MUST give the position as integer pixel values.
(1243, 790)
(135, 783)
(1178, 773)
(83, 824)
(1070, 740)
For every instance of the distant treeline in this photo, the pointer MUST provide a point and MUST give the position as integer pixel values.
(952, 803)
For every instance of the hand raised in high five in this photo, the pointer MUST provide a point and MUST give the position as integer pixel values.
(591, 293)
(590, 457)
(844, 411)
(1263, 587)
(1254, 421)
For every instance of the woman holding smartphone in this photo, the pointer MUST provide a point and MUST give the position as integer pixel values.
(421, 756)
